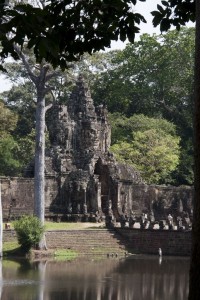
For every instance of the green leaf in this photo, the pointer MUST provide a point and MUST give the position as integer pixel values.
(165, 3)
(157, 18)
(160, 8)
(165, 25)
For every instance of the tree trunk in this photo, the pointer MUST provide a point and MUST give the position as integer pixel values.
(39, 81)
(1, 226)
(39, 186)
(194, 286)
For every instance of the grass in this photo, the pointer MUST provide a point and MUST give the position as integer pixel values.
(67, 226)
(65, 254)
(71, 226)
(61, 226)
(11, 248)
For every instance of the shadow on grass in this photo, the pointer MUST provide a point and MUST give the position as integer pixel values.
(13, 249)
(17, 252)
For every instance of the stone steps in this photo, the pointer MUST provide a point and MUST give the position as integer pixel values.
(101, 241)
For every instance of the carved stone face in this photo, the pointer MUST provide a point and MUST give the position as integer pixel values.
(89, 138)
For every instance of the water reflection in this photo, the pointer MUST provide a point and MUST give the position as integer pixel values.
(1, 277)
(136, 278)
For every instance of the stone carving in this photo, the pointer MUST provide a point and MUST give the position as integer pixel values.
(132, 219)
(79, 157)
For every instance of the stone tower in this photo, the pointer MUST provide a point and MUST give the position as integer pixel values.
(88, 177)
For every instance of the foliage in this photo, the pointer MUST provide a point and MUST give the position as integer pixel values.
(122, 127)
(8, 160)
(60, 32)
(26, 149)
(20, 100)
(22, 97)
(16, 151)
(174, 13)
(8, 120)
(8, 145)
(150, 148)
(29, 231)
(154, 77)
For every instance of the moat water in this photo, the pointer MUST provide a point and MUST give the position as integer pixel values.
(134, 278)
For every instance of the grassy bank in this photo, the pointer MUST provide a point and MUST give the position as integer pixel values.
(68, 226)
(72, 226)
(13, 248)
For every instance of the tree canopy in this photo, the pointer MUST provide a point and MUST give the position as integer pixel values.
(155, 77)
(8, 146)
(61, 31)
(174, 13)
(150, 145)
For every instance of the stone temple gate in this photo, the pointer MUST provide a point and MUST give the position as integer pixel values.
(88, 176)
(82, 176)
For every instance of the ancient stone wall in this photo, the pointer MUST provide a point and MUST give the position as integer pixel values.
(141, 241)
(149, 241)
(162, 200)
(18, 198)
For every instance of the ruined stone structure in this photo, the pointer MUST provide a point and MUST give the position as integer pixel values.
(87, 173)
(82, 176)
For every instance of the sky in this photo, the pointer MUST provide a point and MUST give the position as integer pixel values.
(144, 8)
(141, 7)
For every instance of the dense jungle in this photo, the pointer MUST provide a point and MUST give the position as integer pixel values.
(148, 90)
